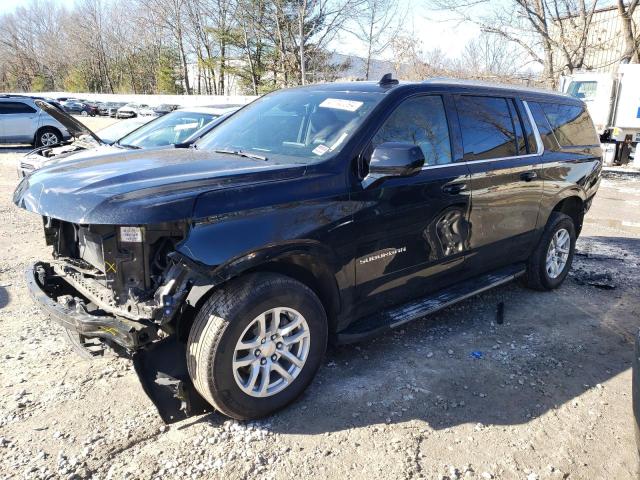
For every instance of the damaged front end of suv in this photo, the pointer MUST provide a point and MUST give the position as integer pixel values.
(121, 283)
(122, 289)
(118, 280)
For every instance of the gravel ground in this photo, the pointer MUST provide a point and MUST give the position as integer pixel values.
(548, 397)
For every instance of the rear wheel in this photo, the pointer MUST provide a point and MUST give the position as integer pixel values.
(551, 260)
(256, 344)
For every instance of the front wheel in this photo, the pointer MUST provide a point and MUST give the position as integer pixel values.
(256, 344)
(551, 261)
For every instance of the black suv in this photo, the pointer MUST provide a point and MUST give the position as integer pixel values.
(331, 211)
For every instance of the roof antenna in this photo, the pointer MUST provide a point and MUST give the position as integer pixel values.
(387, 80)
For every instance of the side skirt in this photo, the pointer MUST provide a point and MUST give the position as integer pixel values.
(374, 325)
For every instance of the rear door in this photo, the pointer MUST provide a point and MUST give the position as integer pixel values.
(503, 155)
(19, 122)
(412, 232)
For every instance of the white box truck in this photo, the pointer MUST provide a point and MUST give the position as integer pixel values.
(613, 100)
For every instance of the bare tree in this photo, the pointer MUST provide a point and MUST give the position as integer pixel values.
(631, 41)
(542, 28)
(376, 24)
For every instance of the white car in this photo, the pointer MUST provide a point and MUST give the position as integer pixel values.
(176, 128)
(131, 110)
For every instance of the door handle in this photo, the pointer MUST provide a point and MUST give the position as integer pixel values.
(528, 176)
(454, 188)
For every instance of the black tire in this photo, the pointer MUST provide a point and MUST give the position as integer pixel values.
(219, 325)
(43, 133)
(536, 276)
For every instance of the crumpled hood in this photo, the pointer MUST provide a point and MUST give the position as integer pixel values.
(140, 187)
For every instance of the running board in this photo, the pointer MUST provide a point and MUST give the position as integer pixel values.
(376, 324)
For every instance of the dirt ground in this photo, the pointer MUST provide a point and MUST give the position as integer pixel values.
(549, 397)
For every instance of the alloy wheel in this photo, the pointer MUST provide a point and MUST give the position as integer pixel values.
(48, 139)
(558, 253)
(271, 352)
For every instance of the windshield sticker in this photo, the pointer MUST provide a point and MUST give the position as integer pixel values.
(340, 139)
(321, 150)
(341, 104)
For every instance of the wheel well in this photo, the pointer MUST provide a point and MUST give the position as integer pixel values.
(302, 268)
(46, 127)
(574, 208)
(309, 273)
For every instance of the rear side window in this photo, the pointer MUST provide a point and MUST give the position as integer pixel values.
(15, 107)
(543, 126)
(488, 129)
(571, 124)
(421, 121)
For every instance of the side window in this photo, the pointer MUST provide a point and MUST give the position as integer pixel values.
(517, 123)
(543, 126)
(15, 107)
(487, 128)
(528, 130)
(571, 124)
(423, 122)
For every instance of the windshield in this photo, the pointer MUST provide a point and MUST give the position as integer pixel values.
(169, 129)
(295, 123)
(583, 90)
(118, 130)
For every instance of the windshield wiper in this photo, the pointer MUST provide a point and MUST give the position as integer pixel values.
(240, 153)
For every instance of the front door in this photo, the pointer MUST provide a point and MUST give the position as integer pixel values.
(413, 231)
(502, 154)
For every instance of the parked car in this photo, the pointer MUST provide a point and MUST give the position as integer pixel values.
(133, 110)
(134, 133)
(112, 110)
(22, 121)
(333, 211)
(78, 108)
(164, 109)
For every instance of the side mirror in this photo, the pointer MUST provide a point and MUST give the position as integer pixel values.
(393, 159)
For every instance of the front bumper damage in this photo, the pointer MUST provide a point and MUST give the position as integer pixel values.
(159, 360)
(54, 294)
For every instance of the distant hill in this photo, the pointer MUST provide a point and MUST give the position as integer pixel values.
(357, 66)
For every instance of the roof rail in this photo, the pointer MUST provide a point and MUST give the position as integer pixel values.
(387, 80)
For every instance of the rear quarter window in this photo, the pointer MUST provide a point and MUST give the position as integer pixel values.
(571, 124)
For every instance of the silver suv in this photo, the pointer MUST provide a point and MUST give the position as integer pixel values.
(22, 121)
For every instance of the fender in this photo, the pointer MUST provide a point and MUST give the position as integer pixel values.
(306, 260)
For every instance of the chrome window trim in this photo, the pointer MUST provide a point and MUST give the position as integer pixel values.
(538, 153)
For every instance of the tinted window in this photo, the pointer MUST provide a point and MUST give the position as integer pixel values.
(543, 126)
(15, 107)
(517, 123)
(487, 128)
(421, 121)
(532, 143)
(571, 124)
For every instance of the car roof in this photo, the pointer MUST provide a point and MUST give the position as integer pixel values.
(445, 84)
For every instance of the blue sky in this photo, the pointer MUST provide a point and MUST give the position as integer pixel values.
(429, 26)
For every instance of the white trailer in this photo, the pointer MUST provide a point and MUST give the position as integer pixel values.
(613, 100)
